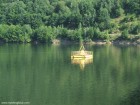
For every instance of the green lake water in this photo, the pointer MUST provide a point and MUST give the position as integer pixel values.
(45, 75)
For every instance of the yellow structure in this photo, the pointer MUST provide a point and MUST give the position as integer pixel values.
(81, 57)
(81, 53)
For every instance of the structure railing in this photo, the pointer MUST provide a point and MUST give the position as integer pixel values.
(81, 53)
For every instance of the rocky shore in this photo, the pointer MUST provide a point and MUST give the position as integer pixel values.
(99, 42)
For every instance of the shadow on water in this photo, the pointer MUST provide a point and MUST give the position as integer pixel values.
(133, 98)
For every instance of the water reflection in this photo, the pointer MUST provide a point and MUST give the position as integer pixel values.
(44, 75)
(82, 62)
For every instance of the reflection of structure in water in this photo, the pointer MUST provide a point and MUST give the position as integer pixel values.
(81, 61)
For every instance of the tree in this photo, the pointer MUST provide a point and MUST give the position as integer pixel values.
(73, 20)
(103, 15)
(132, 6)
(43, 34)
(116, 10)
(27, 32)
(104, 19)
(124, 34)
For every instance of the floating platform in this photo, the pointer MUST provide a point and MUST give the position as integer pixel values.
(81, 58)
(81, 54)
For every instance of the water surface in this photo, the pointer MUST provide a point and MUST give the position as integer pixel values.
(44, 75)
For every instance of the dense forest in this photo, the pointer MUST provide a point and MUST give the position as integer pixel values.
(75, 20)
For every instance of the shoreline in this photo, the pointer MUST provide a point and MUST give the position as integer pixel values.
(95, 42)
(98, 42)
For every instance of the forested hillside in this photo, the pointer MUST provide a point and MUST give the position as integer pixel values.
(45, 20)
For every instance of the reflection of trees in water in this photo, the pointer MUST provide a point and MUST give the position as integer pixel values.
(48, 76)
(119, 67)
(132, 99)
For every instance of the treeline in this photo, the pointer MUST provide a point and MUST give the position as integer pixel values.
(45, 20)
(18, 33)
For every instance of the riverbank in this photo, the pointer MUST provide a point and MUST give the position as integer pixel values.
(99, 42)
(90, 42)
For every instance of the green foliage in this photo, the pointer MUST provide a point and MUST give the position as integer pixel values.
(15, 33)
(43, 34)
(76, 36)
(129, 18)
(90, 33)
(97, 33)
(27, 31)
(132, 6)
(124, 34)
(113, 28)
(103, 15)
(45, 20)
(135, 28)
(124, 26)
(116, 10)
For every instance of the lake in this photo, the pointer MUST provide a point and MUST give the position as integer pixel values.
(45, 75)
